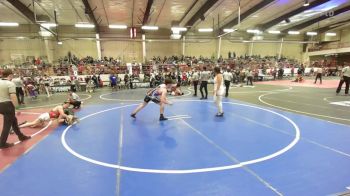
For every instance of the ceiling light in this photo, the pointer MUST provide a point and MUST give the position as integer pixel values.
(293, 32)
(8, 24)
(150, 28)
(59, 43)
(48, 25)
(84, 25)
(256, 31)
(178, 29)
(311, 33)
(45, 33)
(205, 30)
(331, 34)
(229, 30)
(306, 3)
(118, 26)
(274, 32)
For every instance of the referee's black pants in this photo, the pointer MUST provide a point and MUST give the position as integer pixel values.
(195, 84)
(227, 85)
(347, 83)
(7, 109)
(20, 95)
(341, 82)
(204, 84)
(319, 75)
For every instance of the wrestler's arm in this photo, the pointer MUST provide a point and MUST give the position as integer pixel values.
(163, 98)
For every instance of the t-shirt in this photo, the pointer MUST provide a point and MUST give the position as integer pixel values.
(195, 76)
(227, 76)
(205, 76)
(18, 82)
(346, 71)
(75, 97)
(113, 79)
(6, 88)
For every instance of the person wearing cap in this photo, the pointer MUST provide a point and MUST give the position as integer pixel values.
(8, 102)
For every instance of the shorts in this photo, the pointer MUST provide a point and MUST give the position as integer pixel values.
(44, 117)
(153, 99)
(113, 84)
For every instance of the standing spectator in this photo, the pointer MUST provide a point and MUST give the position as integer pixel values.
(319, 73)
(47, 85)
(113, 81)
(95, 80)
(249, 74)
(195, 81)
(8, 102)
(227, 79)
(126, 81)
(19, 89)
(204, 77)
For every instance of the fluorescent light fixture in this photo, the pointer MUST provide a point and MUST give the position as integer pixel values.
(150, 28)
(229, 30)
(311, 33)
(293, 32)
(118, 26)
(274, 32)
(205, 30)
(9, 24)
(84, 25)
(306, 3)
(59, 43)
(45, 33)
(331, 34)
(48, 25)
(256, 31)
(178, 28)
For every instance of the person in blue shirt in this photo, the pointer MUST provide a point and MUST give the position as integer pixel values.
(113, 80)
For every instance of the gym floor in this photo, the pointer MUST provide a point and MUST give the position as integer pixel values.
(276, 138)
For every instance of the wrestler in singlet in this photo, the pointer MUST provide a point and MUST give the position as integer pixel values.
(154, 94)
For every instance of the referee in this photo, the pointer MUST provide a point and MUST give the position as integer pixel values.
(204, 77)
(227, 79)
(195, 78)
(8, 101)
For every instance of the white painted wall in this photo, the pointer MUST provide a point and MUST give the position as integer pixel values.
(132, 50)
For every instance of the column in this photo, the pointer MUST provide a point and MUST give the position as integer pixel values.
(219, 47)
(98, 45)
(143, 48)
(183, 45)
(281, 47)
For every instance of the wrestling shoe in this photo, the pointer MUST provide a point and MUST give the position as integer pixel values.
(6, 145)
(162, 118)
(24, 138)
(219, 115)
